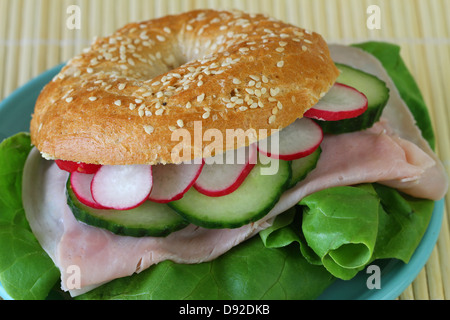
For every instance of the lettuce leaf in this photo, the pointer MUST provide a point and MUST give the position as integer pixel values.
(13, 153)
(26, 271)
(341, 225)
(347, 228)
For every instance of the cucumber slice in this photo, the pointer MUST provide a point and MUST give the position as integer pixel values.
(254, 198)
(150, 219)
(377, 95)
(301, 167)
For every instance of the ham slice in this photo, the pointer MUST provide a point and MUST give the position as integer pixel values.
(392, 152)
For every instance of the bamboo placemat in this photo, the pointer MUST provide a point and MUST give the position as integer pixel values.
(34, 37)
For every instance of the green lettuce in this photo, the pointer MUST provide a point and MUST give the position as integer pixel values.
(347, 228)
(26, 271)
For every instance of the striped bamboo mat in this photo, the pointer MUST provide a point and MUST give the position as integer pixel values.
(35, 35)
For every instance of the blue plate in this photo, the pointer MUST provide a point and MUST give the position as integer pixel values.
(395, 276)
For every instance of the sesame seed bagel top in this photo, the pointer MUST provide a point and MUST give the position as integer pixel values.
(122, 100)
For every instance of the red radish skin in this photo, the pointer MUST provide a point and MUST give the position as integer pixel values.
(296, 141)
(172, 181)
(341, 102)
(122, 187)
(81, 186)
(71, 166)
(219, 180)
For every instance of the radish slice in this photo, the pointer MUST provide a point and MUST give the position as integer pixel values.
(341, 102)
(81, 186)
(172, 181)
(296, 141)
(71, 166)
(122, 187)
(220, 179)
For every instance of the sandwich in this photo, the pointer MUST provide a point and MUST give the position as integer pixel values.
(219, 155)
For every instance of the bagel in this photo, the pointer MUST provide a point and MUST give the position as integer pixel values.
(119, 101)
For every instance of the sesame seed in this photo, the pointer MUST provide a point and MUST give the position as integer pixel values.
(149, 129)
(242, 108)
(236, 81)
(308, 41)
(92, 98)
(138, 100)
(160, 38)
(172, 128)
(132, 106)
(251, 83)
(254, 105)
(274, 91)
(159, 112)
(249, 91)
(279, 49)
(180, 123)
(230, 105)
(68, 100)
(304, 48)
(188, 105)
(279, 105)
(90, 70)
(280, 64)
(265, 79)
(122, 86)
(201, 97)
(148, 113)
(272, 119)
(167, 30)
(143, 35)
(206, 115)
(275, 110)
(189, 27)
(118, 103)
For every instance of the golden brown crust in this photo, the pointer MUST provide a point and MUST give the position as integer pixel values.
(221, 70)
